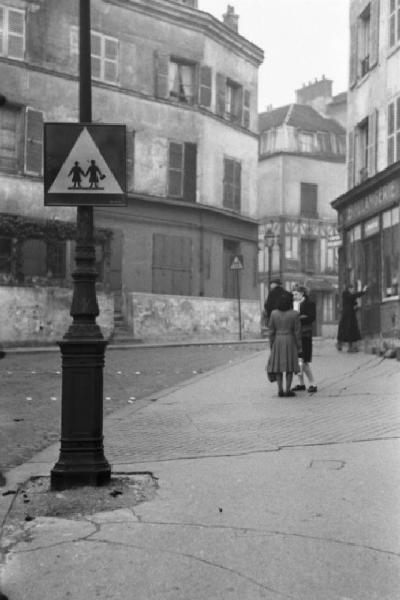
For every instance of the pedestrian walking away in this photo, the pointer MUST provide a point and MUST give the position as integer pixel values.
(307, 314)
(285, 344)
(275, 293)
(348, 330)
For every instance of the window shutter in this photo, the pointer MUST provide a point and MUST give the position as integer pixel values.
(374, 36)
(33, 141)
(205, 86)
(189, 191)
(130, 149)
(353, 55)
(237, 186)
(246, 109)
(16, 34)
(372, 142)
(350, 160)
(220, 100)
(238, 108)
(161, 64)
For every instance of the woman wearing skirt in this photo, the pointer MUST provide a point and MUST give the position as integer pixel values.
(285, 343)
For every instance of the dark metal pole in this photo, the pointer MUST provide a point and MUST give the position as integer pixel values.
(239, 310)
(82, 460)
(269, 266)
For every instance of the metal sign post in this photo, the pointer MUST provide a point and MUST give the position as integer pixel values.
(82, 461)
(237, 266)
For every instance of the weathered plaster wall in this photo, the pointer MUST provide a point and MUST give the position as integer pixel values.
(41, 315)
(269, 184)
(168, 318)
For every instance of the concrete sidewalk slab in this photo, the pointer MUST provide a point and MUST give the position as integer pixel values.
(259, 496)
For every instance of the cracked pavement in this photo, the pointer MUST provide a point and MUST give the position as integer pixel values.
(258, 497)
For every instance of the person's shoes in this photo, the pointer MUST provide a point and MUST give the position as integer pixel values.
(290, 393)
(281, 394)
(339, 347)
(299, 388)
(312, 389)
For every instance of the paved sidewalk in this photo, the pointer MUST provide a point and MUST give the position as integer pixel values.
(259, 496)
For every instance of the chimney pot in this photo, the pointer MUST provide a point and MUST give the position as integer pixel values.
(230, 19)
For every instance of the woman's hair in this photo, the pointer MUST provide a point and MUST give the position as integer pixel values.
(285, 301)
(302, 290)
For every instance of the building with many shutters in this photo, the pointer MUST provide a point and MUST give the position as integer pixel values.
(301, 170)
(185, 85)
(368, 211)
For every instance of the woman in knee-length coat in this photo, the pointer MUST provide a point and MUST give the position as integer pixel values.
(285, 344)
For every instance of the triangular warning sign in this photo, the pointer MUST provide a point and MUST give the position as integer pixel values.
(85, 171)
(236, 263)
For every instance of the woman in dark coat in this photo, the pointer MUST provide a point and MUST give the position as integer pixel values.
(348, 330)
(285, 343)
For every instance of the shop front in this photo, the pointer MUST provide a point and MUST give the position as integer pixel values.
(368, 218)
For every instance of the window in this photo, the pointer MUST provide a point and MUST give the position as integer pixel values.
(391, 252)
(309, 200)
(394, 22)
(21, 149)
(308, 255)
(306, 141)
(182, 171)
(361, 151)
(232, 184)
(104, 53)
(291, 246)
(393, 142)
(364, 32)
(181, 81)
(56, 259)
(233, 101)
(324, 142)
(5, 254)
(12, 32)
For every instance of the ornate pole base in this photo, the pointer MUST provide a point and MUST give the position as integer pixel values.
(81, 461)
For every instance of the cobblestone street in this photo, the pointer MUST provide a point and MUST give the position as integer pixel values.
(30, 386)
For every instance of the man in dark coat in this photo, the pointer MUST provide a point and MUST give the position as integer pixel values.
(276, 292)
(348, 330)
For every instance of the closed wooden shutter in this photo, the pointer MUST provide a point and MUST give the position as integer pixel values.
(16, 34)
(237, 186)
(220, 99)
(161, 65)
(33, 141)
(205, 86)
(353, 55)
(130, 149)
(350, 160)
(172, 265)
(374, 35)
(189, 185)
(246, 109)
(372, 142)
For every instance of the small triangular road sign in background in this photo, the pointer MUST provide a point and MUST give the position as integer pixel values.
(237, 262)
(83, 152)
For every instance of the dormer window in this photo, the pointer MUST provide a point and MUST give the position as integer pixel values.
(306, 140)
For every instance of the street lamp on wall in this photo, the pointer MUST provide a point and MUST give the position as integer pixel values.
(269, 242)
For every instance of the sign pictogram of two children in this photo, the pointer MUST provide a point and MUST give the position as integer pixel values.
(94, 173)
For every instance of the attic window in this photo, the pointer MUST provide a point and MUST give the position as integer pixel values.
(306, 140)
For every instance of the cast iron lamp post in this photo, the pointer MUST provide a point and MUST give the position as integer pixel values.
(269, 242)
(82, 461)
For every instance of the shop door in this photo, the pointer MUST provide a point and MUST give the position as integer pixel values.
(371, 309)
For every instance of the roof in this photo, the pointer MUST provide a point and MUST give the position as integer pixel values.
(301, 116)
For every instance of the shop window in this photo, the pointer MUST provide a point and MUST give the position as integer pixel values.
(391, 253)
(232, 184)
(182, 171)
(12, 32)
(309, 200)
(5, 254)
(329, 304)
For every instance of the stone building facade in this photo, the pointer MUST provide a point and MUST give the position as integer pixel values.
(185, 85)
(369, 210)
(301, 170)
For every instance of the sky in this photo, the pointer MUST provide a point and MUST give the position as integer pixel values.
(302, 40)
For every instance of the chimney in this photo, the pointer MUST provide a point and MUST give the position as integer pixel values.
(230, 19)
(321, 88)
